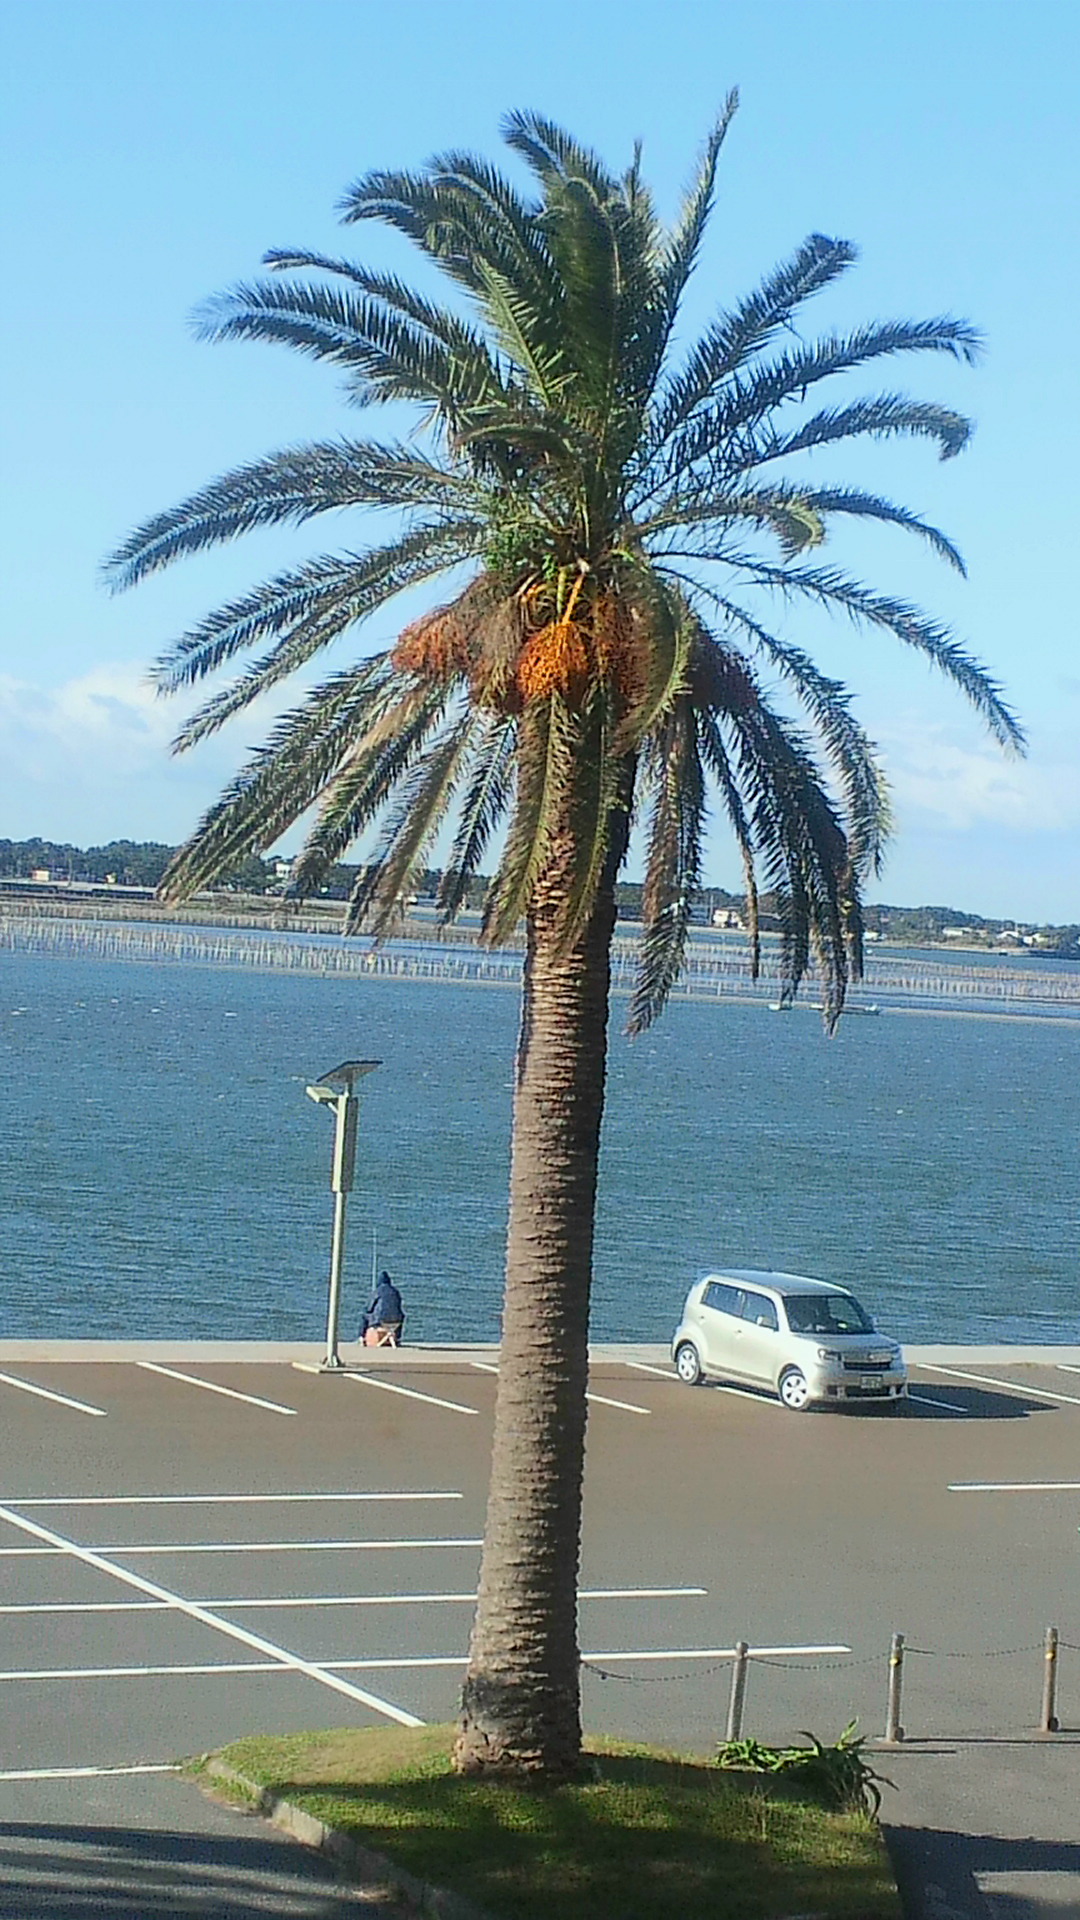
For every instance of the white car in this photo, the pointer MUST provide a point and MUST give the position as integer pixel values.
(806, 1340)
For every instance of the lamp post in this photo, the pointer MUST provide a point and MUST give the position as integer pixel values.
(337, 1089)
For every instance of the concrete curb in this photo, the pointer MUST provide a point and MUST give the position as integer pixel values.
(379, 1876)
(439, 1354)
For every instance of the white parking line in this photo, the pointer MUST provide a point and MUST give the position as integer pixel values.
(280, 1655)
(282, 1546)
(949, 1406)
(762, 1399)
(211, 1386)
(410, 1393)
(649, 1654)
(716, 1653)
(1015, 1486)
(387, 1386)
(214, 1499)
(624, 1406)
(161, 1673)
(242, 1546)
(85, 1773)
(289, 1602)
(1006, 1386)
(60, 1399)
(406, 1664)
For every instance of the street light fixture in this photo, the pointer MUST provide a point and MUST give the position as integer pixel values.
(337, 1089)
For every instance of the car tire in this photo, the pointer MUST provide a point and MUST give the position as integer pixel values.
(794, 1390)
(688, 1364)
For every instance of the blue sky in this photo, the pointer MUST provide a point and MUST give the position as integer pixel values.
(150, 154)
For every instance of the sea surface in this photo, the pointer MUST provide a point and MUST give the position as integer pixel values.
(162, 1173)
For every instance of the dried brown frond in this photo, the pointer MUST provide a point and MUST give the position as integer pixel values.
(435, 647)
(619, 646)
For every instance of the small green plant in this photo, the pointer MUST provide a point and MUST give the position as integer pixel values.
(840, 1775)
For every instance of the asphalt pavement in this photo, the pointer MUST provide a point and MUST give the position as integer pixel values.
(198, 1542)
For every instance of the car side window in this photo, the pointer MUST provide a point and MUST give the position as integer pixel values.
(758, 1308)
(720, 1298)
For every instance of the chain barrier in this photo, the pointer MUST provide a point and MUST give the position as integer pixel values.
(742, 1656)
(978, 1653)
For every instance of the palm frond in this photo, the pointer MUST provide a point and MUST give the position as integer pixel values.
(673, 868)
(679, 254)
(602, 782)
(868, 818)
(734, 337)
(482, 808)
(555, 156)
(366, 773)
(280, 780)
(410, 827)
(386, 353)
(832, 589)
(286, 489)
(883, 416)
(547, 738)
(715, 761)
(333, 591)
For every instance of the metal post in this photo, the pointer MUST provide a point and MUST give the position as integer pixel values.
(1049, 1722)
(338, 1090)
(894, 1732)
(738, 1690)
(337, 1260)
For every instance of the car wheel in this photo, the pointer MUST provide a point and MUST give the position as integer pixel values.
(688, 1364)
(794, 1391)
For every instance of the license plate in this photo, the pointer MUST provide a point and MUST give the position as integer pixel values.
(870, 1380)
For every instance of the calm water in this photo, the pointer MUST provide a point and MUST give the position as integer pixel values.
(162, 1173)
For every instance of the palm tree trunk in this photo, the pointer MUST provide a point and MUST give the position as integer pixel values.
(520, 1709)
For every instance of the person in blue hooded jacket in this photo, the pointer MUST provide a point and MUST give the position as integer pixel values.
(386, 1310)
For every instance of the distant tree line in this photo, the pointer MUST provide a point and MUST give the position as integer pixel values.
(131, 863)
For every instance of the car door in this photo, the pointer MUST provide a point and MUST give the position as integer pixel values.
(758, 1342)
(722, 1327)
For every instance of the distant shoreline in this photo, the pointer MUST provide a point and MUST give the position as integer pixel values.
(717, 970)
(261, 913)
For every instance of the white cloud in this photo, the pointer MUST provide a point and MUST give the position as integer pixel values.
(110, 714)
(88, 761)
(937, 778)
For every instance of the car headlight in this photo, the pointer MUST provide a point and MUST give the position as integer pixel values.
(829, 1353)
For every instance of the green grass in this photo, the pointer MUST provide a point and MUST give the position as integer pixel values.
(645, 1835)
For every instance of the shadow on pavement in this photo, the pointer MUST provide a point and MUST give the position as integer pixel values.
(60, 1872)
(977, 1403)
(946, 1402)
(939, 1872)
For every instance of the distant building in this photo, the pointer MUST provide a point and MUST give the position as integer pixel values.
(727, 917)
(42, 874)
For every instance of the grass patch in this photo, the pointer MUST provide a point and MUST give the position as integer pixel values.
(645, 1835)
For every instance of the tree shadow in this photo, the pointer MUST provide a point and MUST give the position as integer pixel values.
(67, 1872)
(938, 1871)
(644, 1838)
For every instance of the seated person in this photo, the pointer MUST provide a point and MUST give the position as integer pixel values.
(386, 1313)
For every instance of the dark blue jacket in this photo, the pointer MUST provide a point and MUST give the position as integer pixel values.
(386, 1309)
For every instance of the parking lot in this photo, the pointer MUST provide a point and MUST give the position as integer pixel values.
(192, 1550)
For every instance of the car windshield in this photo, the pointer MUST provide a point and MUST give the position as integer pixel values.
(826, 1313)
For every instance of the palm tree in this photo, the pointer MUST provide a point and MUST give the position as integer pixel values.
(603, 514)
